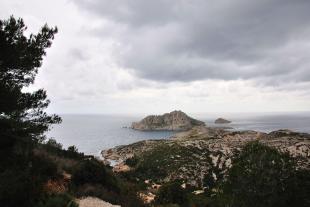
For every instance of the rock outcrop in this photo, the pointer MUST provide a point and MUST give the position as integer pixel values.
(188, 154)
(175, 121)
(222, 121)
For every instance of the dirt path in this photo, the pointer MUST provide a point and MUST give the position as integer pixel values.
(94, 202)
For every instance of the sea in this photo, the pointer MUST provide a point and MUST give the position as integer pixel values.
(93, 133)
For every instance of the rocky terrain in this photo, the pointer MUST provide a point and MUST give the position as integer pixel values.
(190, 154)
(175, 120)
(222, 121)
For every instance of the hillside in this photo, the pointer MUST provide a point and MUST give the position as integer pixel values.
(189, 155)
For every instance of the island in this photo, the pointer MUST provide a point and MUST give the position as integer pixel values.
(222, 121)
(173, 121)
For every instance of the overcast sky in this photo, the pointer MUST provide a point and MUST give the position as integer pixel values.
(139, 56)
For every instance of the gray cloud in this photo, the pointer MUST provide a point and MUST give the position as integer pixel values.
(140, 56)
(194, 40)
(78, 54)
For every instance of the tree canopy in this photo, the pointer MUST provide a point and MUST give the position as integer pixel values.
(22, 113)
(23, 119)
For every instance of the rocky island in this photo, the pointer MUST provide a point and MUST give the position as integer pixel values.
(222, 121)
(175, 121)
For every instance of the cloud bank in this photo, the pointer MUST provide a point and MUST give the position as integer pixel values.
(137, 56)
(196, 40)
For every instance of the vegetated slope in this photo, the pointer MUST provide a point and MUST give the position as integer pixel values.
(190, 155)
(80, 175)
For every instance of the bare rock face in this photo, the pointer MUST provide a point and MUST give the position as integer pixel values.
(221, 121)
(175, 121)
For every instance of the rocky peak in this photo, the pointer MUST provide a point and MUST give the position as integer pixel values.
(175, 120)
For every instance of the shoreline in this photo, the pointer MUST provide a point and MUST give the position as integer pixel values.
(102, 132)
(215, 140)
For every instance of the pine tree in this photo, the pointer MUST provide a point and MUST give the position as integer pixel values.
(23, 119)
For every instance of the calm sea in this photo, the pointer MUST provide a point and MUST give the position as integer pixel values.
(93, 133)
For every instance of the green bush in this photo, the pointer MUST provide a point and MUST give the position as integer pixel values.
(200, 200)
(58, 200)
(55, 148)
(300, 188)
(72, 151)
(94, 172)
(172, 193)
(132, 162)
(54, 144)
(17, 189)
(21, 184)
(44, 167)
(261, 176)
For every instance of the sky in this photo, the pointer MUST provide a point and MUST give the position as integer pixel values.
(138, 56)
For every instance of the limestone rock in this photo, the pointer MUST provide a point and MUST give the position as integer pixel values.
(175, 121)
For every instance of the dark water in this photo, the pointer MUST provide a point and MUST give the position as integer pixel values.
(92, 133)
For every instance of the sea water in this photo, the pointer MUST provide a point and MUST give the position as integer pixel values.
(93, 133)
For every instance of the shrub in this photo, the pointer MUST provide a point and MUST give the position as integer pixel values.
(172, 193)
(263, 176)
(72, 149)
(200, 200)
(22, 185)
(300, 188)
(53, 143)
(132, 162)
(44, 167)
(94, 172)
(58, 200)
(17, 189)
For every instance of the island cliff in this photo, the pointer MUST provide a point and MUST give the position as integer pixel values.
(175, 121)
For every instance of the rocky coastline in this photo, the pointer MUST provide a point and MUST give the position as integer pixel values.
(187, 152)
